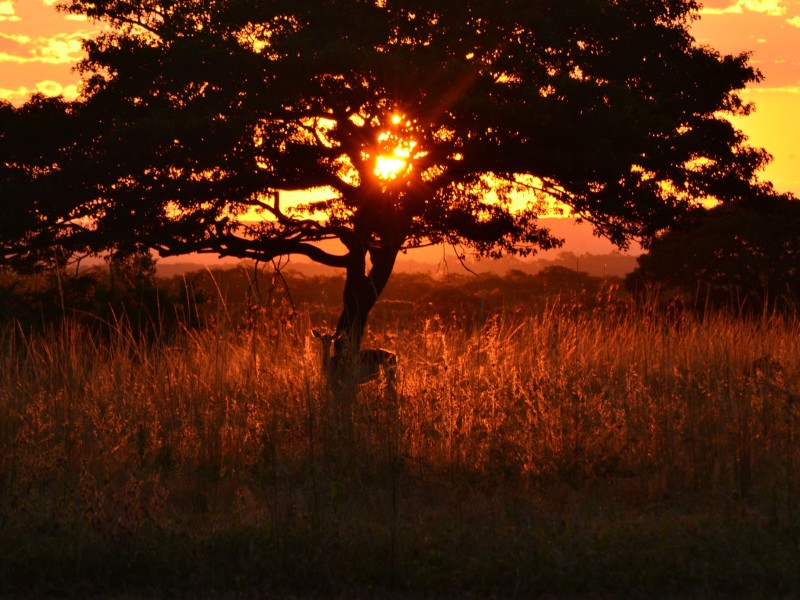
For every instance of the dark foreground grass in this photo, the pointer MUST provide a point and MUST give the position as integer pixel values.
(413, 538)
(684, 555)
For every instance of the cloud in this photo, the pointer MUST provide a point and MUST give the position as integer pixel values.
(794, 21)
(46, 87)
(786, 89)
(14, 96)
(53, 88)
(18, 39)
(7, 12)
(63, 48)
(774, 8)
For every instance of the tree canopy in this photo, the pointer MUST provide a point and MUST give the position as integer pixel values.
(742, 255)
(418, 121)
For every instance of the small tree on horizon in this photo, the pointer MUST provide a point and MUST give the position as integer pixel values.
(419, 122)
(743, 255)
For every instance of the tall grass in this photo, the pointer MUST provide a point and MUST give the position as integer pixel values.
(562, 452)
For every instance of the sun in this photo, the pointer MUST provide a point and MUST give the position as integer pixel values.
(396, 150)
(393, 165)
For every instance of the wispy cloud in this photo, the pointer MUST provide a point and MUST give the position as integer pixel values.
(17, 39)
(784, 89)
(7, 12)
(775, 8)
(62, 48)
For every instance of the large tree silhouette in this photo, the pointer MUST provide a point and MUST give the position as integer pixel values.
(420, 119)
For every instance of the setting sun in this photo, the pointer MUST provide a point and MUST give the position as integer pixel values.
(397, 150)
(393, 165)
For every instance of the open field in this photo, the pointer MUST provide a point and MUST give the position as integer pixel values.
(563, 453)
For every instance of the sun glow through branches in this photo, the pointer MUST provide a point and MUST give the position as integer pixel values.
(392, 166)
(397, 150)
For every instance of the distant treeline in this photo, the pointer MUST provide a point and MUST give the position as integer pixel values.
(600, 265)
(236, 293)
(133, 293)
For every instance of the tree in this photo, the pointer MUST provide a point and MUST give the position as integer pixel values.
(744, 254)
(422, 121)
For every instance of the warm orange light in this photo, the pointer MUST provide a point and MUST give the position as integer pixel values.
(396, 149)
(390, 167)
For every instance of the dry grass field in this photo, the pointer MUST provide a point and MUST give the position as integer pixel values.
(614, 452)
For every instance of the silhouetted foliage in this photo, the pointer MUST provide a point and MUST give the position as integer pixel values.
(245, 296)
(195, 115)
(126, 294)
(744, 256)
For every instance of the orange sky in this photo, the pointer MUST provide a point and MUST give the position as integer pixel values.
(39, 46)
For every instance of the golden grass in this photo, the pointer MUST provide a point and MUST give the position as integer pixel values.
(554, 418)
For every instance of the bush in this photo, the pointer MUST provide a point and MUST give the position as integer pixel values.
(126, 291)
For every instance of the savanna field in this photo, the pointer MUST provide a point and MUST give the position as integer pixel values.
(549, 434)
(563, 450)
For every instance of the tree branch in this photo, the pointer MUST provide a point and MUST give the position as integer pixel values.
(256, 249)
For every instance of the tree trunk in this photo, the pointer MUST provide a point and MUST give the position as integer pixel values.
(361, 292)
